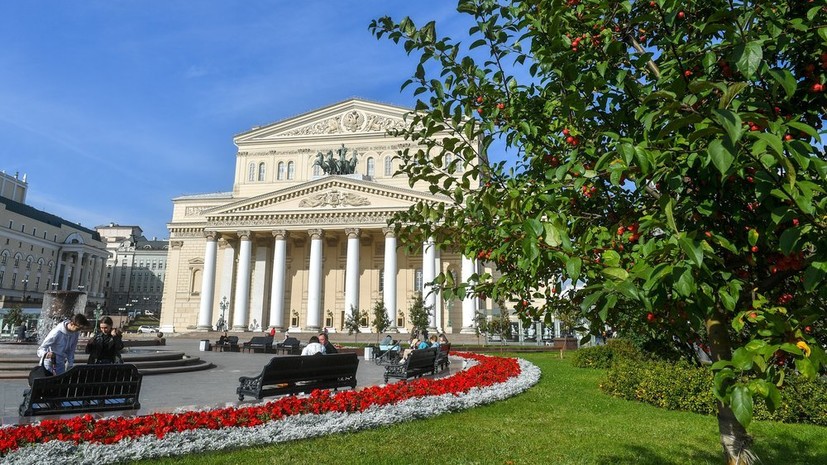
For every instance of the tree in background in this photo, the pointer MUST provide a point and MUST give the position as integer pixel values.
(664, 153)
(381, 322)
(14, 317)
(353, 322)
(419, 314)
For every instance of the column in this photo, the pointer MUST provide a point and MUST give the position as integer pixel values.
(208, 282)
(242, 282)
(352, 272)
(390, 276)
(77, 270)
(314, 284)
(64, 283)
(428, 275)
(257, 290)
(279, 276)
(96, 275)
(468, 307)
(226, 278)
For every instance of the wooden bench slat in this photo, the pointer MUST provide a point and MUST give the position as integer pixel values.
(418, 363)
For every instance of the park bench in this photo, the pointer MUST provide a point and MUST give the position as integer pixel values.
(231, 344)
(418, 363)
(264, 343)
(295, 374)
(441, 362)
(290, 346)
(84, 388)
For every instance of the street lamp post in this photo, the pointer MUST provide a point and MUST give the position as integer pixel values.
(54, 286)
(223, 305)
(25, 288)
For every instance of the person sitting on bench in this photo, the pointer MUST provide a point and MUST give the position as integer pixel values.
(313, 347)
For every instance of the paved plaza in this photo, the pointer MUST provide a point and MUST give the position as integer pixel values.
(207, 388)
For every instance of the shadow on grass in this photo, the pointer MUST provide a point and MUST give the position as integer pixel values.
(783, 449)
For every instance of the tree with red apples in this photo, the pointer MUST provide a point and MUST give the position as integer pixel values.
(666, 154)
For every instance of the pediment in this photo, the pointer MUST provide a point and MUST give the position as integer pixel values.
(354, 116)
(326, 195)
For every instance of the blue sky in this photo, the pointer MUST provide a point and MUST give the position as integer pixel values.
(114, 107)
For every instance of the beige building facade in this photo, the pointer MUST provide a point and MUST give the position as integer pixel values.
(294, 248)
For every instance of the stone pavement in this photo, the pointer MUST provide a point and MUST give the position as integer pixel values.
(208, 388)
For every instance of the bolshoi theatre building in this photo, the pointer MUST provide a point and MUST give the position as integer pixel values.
(295, 247)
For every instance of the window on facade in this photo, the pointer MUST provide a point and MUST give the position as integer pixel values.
(449, 158)
(389, 166)
(400, 320)
(262, 171)
(11, 224)
(291, 170)
(418, 279)
(317, 170)
(4, 258)
(16, 260)
(371, 171)
(34, 231)
(13, 280)
(22, 228)
(280, 171)
(37, 282)
(29, 263)
(251, 172)
(2, 272)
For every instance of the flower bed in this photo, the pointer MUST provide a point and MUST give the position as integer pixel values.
(85, 439)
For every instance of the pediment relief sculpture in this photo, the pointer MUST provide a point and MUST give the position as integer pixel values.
(334, 198)
(349, 122)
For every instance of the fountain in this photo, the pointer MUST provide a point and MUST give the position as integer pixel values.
(59, 306)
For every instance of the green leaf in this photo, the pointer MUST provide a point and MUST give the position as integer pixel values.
(742, 359)
(728, 300)
(731, 92)
(552, 236)
(611, 258)
(813, 275)
(616, 272)
(747, 58)
(773, 397)
(721, 156)
(693, 250)
(752, 236)
(742, 405)
(686, 284)
(785, 79)
(806, 368)
(670, 215)
(731, 123)
(721, 381)
(573, 266)
(788, 240)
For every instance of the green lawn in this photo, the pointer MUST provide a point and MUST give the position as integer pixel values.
(564, 419)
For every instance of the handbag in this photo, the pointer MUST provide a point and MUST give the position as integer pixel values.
(40, 371)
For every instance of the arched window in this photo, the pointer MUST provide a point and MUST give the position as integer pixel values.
(371, 167)
(389, 166)
(262, 171)
(251, 172)
(280, 172)
(291, 170)
(4, 257)
(317, 170)
(29, 261)
(17, 260)
(449, 157)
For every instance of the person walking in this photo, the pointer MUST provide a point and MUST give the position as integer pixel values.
(59, 346)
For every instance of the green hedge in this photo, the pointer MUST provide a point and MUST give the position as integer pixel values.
(602, 356)
(682, 386)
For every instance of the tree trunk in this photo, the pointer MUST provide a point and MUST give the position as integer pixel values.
(734, 438)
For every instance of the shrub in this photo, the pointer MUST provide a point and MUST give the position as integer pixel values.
(682, 386)
(602, 356)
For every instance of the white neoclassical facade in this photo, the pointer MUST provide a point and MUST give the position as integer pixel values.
(294, 248)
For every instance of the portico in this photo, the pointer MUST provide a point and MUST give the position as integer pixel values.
(302, 253)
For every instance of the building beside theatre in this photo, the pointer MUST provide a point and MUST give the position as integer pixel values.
(135, 270)
(40, 251)
(292, 247)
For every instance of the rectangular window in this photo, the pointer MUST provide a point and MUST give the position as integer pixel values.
(11, 224)
(22, 228)
(34, 231)
(418, 279)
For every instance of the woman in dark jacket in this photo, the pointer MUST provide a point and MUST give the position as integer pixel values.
(106, 346)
